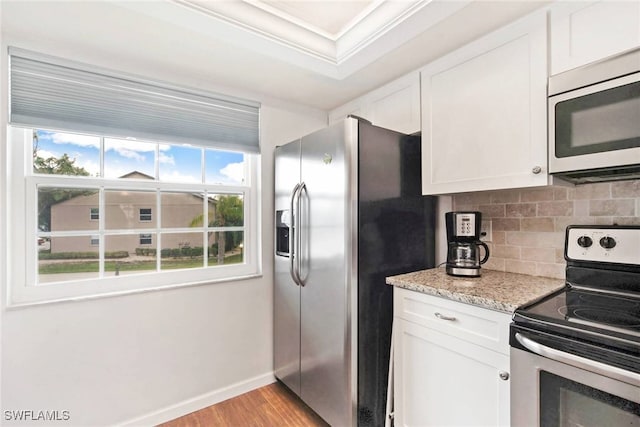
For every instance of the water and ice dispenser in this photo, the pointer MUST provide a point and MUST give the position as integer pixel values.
(283, 222)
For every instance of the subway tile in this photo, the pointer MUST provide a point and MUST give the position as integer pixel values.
(498, 237)
(559, 208)
(592, 191)
(626, 220)
(603, 220)
(581, 208)
(492, 211)
(461, 207)
(551, 240)
(625, 189)
(559, 255)
(506, 252)
(535, 239)
(505, 196)
(562, 222)
(556, 271)
(537, 224)
(538, 254)
(518, 210)
(536, 194)
(521, 238)
(494, 264)
(472, 199)
(560, 193)
(505, 224)
(521, 267)
(615, 207)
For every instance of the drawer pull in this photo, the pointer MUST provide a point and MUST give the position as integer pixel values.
(443, 317)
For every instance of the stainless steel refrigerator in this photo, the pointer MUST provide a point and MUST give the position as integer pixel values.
(349, 212)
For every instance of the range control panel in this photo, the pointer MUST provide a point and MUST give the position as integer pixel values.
(604, 244)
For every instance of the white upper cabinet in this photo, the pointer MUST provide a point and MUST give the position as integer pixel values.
(583, 32)
(393, 106)
(484, 112)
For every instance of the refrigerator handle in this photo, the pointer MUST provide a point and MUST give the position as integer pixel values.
(303, 187)
(292, 226)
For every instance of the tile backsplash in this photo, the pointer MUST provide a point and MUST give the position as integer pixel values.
(528, 225)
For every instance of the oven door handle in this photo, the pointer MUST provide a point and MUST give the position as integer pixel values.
(579, 362)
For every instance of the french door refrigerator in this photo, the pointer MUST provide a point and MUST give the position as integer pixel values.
(348, 213)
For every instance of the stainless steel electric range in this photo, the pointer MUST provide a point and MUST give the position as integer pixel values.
(575, 354)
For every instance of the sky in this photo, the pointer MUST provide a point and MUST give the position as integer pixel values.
(176, 163)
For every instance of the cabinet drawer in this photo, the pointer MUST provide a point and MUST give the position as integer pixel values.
(487, 328)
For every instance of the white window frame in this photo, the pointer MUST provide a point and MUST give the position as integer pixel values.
(23, 217)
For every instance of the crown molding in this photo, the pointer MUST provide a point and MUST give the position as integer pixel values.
(252, 24)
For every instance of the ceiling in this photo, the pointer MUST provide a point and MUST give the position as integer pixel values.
(319, 53)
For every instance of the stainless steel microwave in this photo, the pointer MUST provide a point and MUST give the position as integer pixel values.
(594, 120)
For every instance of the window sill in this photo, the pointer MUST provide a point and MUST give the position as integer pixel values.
(11, 305)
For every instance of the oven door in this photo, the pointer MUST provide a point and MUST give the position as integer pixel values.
(548, 391)
(596, 126)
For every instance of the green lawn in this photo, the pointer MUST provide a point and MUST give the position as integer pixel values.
(91, 266)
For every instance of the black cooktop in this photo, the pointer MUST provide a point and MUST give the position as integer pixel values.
(612, 315)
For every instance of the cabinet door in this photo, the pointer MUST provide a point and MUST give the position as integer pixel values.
(583, 32)
(394, 106)
(484, 112)
(442, 381)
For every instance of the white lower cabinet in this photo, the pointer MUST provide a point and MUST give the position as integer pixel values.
(441, 377)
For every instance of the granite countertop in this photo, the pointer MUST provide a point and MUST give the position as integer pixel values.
(495, 290)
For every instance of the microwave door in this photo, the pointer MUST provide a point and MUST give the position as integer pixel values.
(595, 127)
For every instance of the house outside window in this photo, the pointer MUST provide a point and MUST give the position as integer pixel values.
(145, 239)
(95, 240)
(94, 214)
(145, 214)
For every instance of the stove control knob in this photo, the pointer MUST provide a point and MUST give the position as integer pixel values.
(607, 242)
(584, 241)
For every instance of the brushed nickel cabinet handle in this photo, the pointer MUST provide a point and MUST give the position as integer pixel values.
(536, 170)
(444, 317)
(504, 375)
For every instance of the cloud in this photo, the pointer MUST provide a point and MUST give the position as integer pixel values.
(75, 139)
(130, 154)
(234, 171)
(45, 154)
(166, 159)
(175, 176)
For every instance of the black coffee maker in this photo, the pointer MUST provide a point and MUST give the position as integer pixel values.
(463, 244)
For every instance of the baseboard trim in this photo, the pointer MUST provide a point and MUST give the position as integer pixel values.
(191, 405)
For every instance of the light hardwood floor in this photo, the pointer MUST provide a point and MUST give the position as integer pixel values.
(269, 406)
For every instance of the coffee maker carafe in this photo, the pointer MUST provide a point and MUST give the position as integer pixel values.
(463, 244)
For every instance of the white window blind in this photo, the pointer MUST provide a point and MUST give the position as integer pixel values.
(65, 95)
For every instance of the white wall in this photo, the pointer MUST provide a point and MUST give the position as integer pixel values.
(147, 357)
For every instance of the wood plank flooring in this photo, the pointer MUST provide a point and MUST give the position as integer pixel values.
(269, 406)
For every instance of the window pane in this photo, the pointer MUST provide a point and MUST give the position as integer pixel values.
(94, 214)
(124, 255)
(180, 210)
(68, 258)
(181, 250)
(129, 159)
(224, 167)
(226, 247)
(180, 163)
(226, 210)
(129, 209)
(65, 209)
(60, 153)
